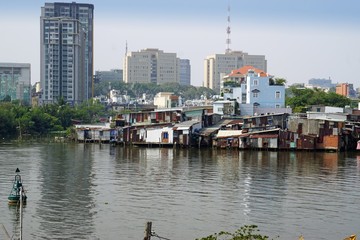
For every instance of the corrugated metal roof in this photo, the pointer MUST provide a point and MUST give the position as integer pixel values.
(93, 126)
(260, 132)
(209, 130)
(185, 125)
(228, 133)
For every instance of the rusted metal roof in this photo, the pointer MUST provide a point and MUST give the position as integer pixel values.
(264, 136)
(225, 122)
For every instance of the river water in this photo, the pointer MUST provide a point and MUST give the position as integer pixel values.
(93, 191)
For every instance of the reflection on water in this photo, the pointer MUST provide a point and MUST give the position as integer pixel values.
(66, 202)
(92, 191)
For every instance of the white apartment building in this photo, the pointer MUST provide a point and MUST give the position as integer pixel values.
(151, 65)
(218, 65)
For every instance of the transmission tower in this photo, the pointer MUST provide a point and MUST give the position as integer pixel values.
(228, 31)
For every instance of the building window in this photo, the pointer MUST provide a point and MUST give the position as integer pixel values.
(255, 82)
(255, 95)
(243, 98)
(166, 135)
(277, 94)
(277, 106)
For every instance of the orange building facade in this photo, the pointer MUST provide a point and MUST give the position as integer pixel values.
(342, 89)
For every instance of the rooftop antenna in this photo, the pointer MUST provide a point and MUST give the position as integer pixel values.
(126, 48)
(228, 31)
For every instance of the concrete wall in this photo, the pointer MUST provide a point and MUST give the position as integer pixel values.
(309, 126)
(154, 135)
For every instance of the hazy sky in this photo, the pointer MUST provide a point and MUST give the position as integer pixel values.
(301, 39)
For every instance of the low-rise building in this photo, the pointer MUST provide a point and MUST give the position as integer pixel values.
(255, 91)
(166, 100)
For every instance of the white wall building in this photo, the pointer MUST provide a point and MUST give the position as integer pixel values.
(254, 90)
(218, 64)
(166, 100)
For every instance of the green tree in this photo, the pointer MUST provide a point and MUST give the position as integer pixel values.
(39, 122)
(7, 98)
(299, 99)
(90, 111)
(62, 111)
(151, 89)
(247, 232)
(7, 121)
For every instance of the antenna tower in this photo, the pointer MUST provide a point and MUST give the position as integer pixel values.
(126, 48)
(228, 31)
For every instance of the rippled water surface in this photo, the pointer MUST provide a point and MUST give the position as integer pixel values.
(93, 191)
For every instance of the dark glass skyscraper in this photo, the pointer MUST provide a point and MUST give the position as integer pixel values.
(66, 52)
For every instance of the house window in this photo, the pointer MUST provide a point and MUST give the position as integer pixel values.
(277, 94)
(255, 95)
(255, 82)
(243, 98)
(166, 135)
(277, 106)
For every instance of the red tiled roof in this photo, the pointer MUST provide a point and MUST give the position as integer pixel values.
(244, 70)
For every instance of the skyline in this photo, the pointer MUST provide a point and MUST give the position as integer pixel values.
(300, 39)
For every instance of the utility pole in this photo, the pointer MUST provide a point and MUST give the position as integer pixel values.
(148, 231)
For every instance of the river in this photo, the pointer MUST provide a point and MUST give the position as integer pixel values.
(93, 191)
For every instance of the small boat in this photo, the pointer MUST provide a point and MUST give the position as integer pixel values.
(17, 192)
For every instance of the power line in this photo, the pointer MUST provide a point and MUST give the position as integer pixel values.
(155, 235)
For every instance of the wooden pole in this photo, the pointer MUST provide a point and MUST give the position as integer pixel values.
(21, 208)
(148, 231)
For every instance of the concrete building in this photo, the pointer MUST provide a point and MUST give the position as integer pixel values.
(151, 65)
(321, 83)
(66, 52)
(166, 100)
(254, 90)
(15, 81)
(114, 75)
(225, 107)
(222, 64)
(342, 89)
(185, 72)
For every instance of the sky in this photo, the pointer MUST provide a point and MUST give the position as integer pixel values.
(301, 39)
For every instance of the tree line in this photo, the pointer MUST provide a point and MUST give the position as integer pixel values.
(20, 120)
(300, 99)
(136, 90)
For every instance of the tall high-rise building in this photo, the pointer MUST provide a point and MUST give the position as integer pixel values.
(66, 52)
(15, 81)
(218, 65)
(151, 66)
(185, 72)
